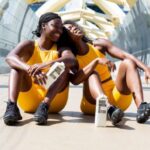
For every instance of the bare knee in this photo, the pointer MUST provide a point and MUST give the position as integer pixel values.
(16, 71)
(94, 73)
(129, 63)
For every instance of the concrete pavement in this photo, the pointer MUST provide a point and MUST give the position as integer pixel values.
(71, 130)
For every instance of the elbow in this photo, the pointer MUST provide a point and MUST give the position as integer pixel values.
(75, 82)
(7, 59)
(74, 65)
(73, 62)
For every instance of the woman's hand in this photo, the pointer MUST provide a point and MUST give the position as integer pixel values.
(35, 71)
(75, 33)
(36, 68)
(105, 61)
(40, 78)
(147, 74)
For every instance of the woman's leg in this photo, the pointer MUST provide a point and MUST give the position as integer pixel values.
(92, 88)
(18, 81)
(61, 83)
(41, 114)
(128, 81)
(92, 91)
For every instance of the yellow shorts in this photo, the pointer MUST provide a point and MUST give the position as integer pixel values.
(115, 98)
(30, 100)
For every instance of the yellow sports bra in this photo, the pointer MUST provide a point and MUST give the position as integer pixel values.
(40, 56)
(93, 53)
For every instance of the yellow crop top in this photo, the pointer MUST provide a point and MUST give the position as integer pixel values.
(40, 56)
(93, 53)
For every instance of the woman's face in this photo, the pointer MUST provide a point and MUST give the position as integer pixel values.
(54, 29)
(74, 32)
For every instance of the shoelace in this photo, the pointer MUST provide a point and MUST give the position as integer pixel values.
(44, 110)
(144, 106)
(11, 107)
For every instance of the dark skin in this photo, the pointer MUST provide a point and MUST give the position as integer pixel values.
(127, 73)
(22, 74)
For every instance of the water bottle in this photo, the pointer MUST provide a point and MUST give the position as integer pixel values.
(101, 111)
(54, 72)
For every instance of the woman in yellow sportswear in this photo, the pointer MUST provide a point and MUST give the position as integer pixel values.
(97, 78)
(27, 76)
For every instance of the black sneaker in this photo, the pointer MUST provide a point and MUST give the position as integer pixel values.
(143, 112)
(115, 115)
(12, 114)
(41, 114)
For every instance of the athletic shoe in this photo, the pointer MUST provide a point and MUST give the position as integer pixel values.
(12, 114)
(143, 112)
(41, 114)
(115, 115)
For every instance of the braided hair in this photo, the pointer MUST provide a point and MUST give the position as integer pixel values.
(44, 19)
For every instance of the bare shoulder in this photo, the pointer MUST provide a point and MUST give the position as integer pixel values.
(26, 44)
(24, 49)
(64, 51)
(102, 42)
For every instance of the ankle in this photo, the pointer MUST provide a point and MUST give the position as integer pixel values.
(140, 104)
(46, 102)
(111, 109)
(12, 101)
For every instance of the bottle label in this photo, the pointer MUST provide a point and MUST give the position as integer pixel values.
(53, 75)
(55, 71)
(101, 111)
(58, 70)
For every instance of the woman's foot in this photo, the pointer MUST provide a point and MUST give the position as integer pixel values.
(115, 115)
(41, 114)
(12, 114)
(143, 112)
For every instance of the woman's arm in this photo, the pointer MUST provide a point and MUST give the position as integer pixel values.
(84, 73)
(117, 52)
(19, 55)
(66, 56)
(120, 54)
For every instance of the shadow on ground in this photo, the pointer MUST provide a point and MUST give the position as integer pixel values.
(78, 117)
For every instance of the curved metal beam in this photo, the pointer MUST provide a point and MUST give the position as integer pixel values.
(51, 6)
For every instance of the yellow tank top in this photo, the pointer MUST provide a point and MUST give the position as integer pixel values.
(30, 100)
(40, 56)
(93, 53)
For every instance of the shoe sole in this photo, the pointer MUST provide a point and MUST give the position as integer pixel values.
(19, 118)
(40, 120)
(118, 116)
(10, 120)
(142, 119)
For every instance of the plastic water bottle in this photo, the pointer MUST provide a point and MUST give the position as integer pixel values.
(101, 111)
(54, 72)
